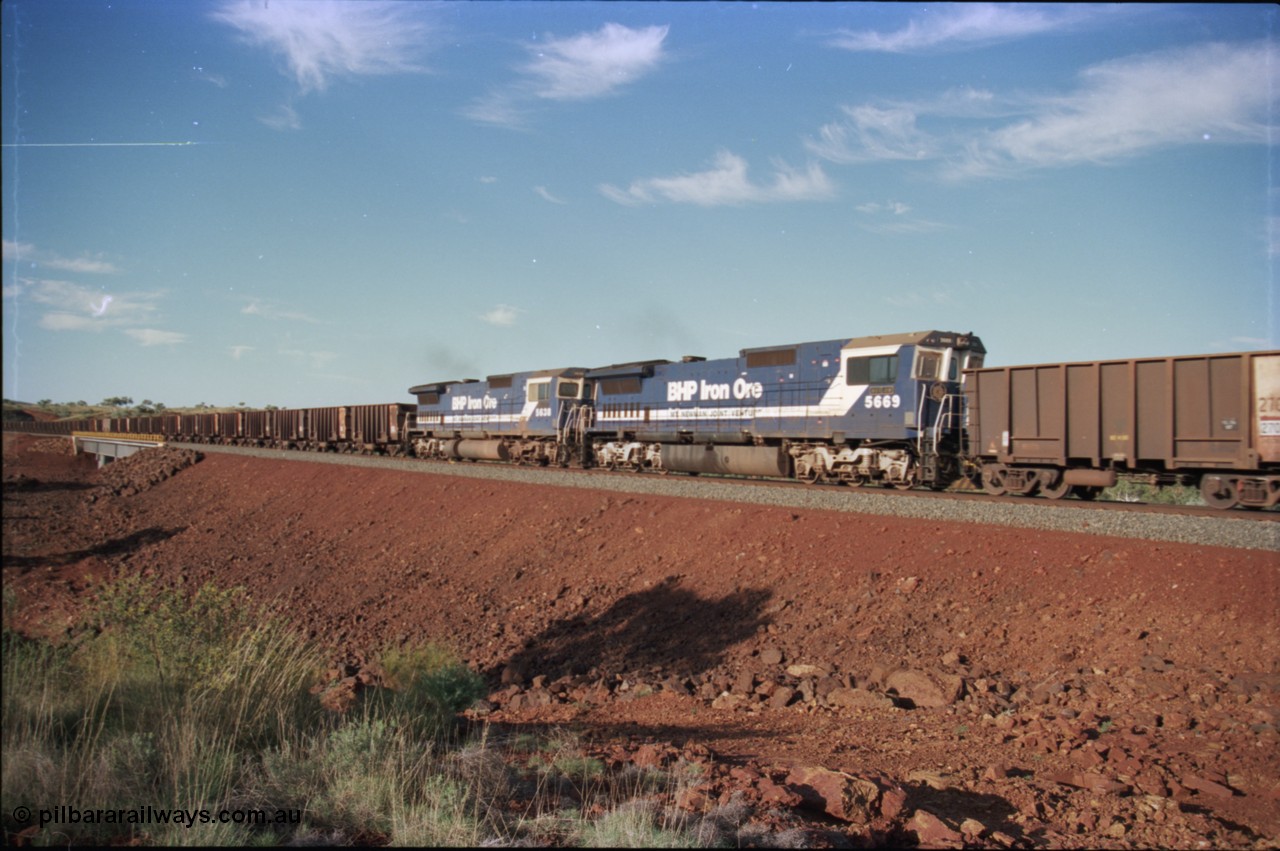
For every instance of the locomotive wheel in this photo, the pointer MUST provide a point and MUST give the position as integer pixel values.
(993, 479)
(1218, 492)
(1057, 490)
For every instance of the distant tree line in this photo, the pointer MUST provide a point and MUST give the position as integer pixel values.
(120, 406)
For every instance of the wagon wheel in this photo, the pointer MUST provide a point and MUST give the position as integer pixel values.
(1058, 489)
(993, 479)
(1218, 492)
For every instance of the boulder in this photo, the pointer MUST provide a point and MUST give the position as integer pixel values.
(839, 795)
(924, 689)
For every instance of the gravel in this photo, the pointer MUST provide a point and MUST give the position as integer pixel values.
(1072, 516)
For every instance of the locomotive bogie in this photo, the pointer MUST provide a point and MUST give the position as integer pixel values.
(630, 455)
(854, 465)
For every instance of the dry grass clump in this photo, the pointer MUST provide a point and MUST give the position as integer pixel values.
(197, 704)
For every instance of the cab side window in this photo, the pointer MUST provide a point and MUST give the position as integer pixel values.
(539, 392)
(875, 370)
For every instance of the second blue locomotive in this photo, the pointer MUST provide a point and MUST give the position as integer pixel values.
(883, 409)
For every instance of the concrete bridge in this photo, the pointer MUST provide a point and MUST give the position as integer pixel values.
(109, 446)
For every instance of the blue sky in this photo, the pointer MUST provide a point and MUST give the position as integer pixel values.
(318, 203)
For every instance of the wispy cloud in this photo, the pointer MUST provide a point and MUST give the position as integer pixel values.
(502, 315)
(545, 194)
(896, 208)
(238, 352)
(200, 73)
(270, 310)
(1205, 94)
(67, 306)
(891, 217)
(155, 337)
(25, 252)
(871, 133)
(1214, 92)
(311, 359)
(323, 39)
(284, 118)
(71, 306)
(954, 25)
(579, 67)
(727, 183)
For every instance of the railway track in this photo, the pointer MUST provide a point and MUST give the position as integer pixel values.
(1181, 524)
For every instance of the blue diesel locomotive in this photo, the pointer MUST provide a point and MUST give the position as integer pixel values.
(524, 417)
(883, 409)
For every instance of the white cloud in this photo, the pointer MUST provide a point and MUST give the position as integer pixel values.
(322, 39)
(238, 351)
(502, 315)
(950, 25)
(1206, 94)
(727, 183)
(592, 65)
(155, 337)
(580, 67)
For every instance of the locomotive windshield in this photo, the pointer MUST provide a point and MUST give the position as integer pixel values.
(928, 364)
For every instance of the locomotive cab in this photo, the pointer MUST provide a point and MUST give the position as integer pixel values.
(938, 370)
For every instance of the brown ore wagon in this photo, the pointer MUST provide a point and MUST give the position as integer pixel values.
(1059, 428)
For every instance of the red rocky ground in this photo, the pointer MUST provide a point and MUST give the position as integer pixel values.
(916, 681)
